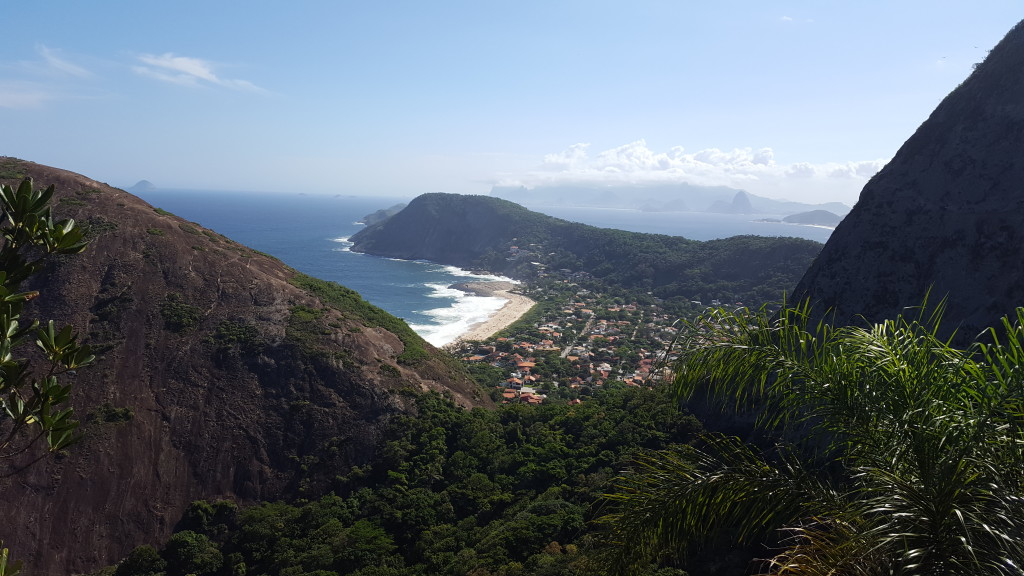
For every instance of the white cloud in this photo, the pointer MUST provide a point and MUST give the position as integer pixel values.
(187, 71)
(55, 62)
(754, 170)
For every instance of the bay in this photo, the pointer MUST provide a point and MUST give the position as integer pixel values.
(310, 233)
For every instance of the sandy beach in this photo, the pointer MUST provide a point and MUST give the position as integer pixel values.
(516, 306)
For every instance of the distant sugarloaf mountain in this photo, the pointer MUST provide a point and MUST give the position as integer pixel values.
(483, 232)
(221, 374)
(945, 216)
(740, 204)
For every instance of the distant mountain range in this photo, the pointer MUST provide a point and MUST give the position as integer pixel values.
(658, 198)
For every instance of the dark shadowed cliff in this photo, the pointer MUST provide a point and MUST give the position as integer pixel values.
(221, 374)
(946, 214)
(501, 236)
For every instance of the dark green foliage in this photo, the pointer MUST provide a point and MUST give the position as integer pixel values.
(887, 450)
(304, 327)
(155, 231)
(96, 225)
(480, 232)
(350, 303)
(142, 561)
(109, 413)
(190, 552)
(508, 491)
(32, 400)
(238, 334)
(389, 370)
(179, 316)
(162, 212)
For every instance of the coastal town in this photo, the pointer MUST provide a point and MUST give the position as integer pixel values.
(558, 340)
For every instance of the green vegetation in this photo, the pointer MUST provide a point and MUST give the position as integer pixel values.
(96, 225)
(305, 327)
(265, 255)
(162, 212)
(497, 235)
(241, 334)
(351, 304)
(178, 315)
(505, 491)
(112, 414)
(885, 451)
(11, 169)
(155, 231)
(31, 397)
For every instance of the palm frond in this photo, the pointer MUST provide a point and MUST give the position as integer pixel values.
(690, 496)
(927, 440)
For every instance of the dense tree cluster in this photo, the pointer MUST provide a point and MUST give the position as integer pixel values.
(506, 491)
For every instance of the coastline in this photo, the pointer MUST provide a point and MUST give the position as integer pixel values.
(512, 310)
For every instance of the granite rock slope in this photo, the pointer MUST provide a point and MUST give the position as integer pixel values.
(218, 376)
(945, 217)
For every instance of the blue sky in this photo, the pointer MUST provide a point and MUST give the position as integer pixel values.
(801, 100)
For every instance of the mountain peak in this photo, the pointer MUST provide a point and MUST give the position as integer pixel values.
(945, 217)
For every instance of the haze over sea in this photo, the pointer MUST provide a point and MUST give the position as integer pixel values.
(310, 232)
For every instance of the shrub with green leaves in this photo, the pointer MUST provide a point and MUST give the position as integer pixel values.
(178, 315)
(32, 401)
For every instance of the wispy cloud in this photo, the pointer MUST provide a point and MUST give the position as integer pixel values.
(187, 71)
(56, 63)
(754, 170)
(33, 83)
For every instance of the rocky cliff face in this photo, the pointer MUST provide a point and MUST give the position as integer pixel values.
(945, 215)
(218, 377)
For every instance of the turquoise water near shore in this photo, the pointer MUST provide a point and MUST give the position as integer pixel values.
(310, 233)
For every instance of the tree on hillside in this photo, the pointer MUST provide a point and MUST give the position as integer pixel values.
(31, 397)
(888, 450)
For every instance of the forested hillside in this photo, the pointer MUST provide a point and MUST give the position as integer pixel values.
(501, 236)
(506, 491)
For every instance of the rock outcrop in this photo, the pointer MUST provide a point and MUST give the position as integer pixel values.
(945, 216)
(221, 373)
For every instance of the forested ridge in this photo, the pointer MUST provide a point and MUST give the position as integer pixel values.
(492, 234)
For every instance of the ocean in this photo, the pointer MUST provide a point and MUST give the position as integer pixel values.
(310, 233)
